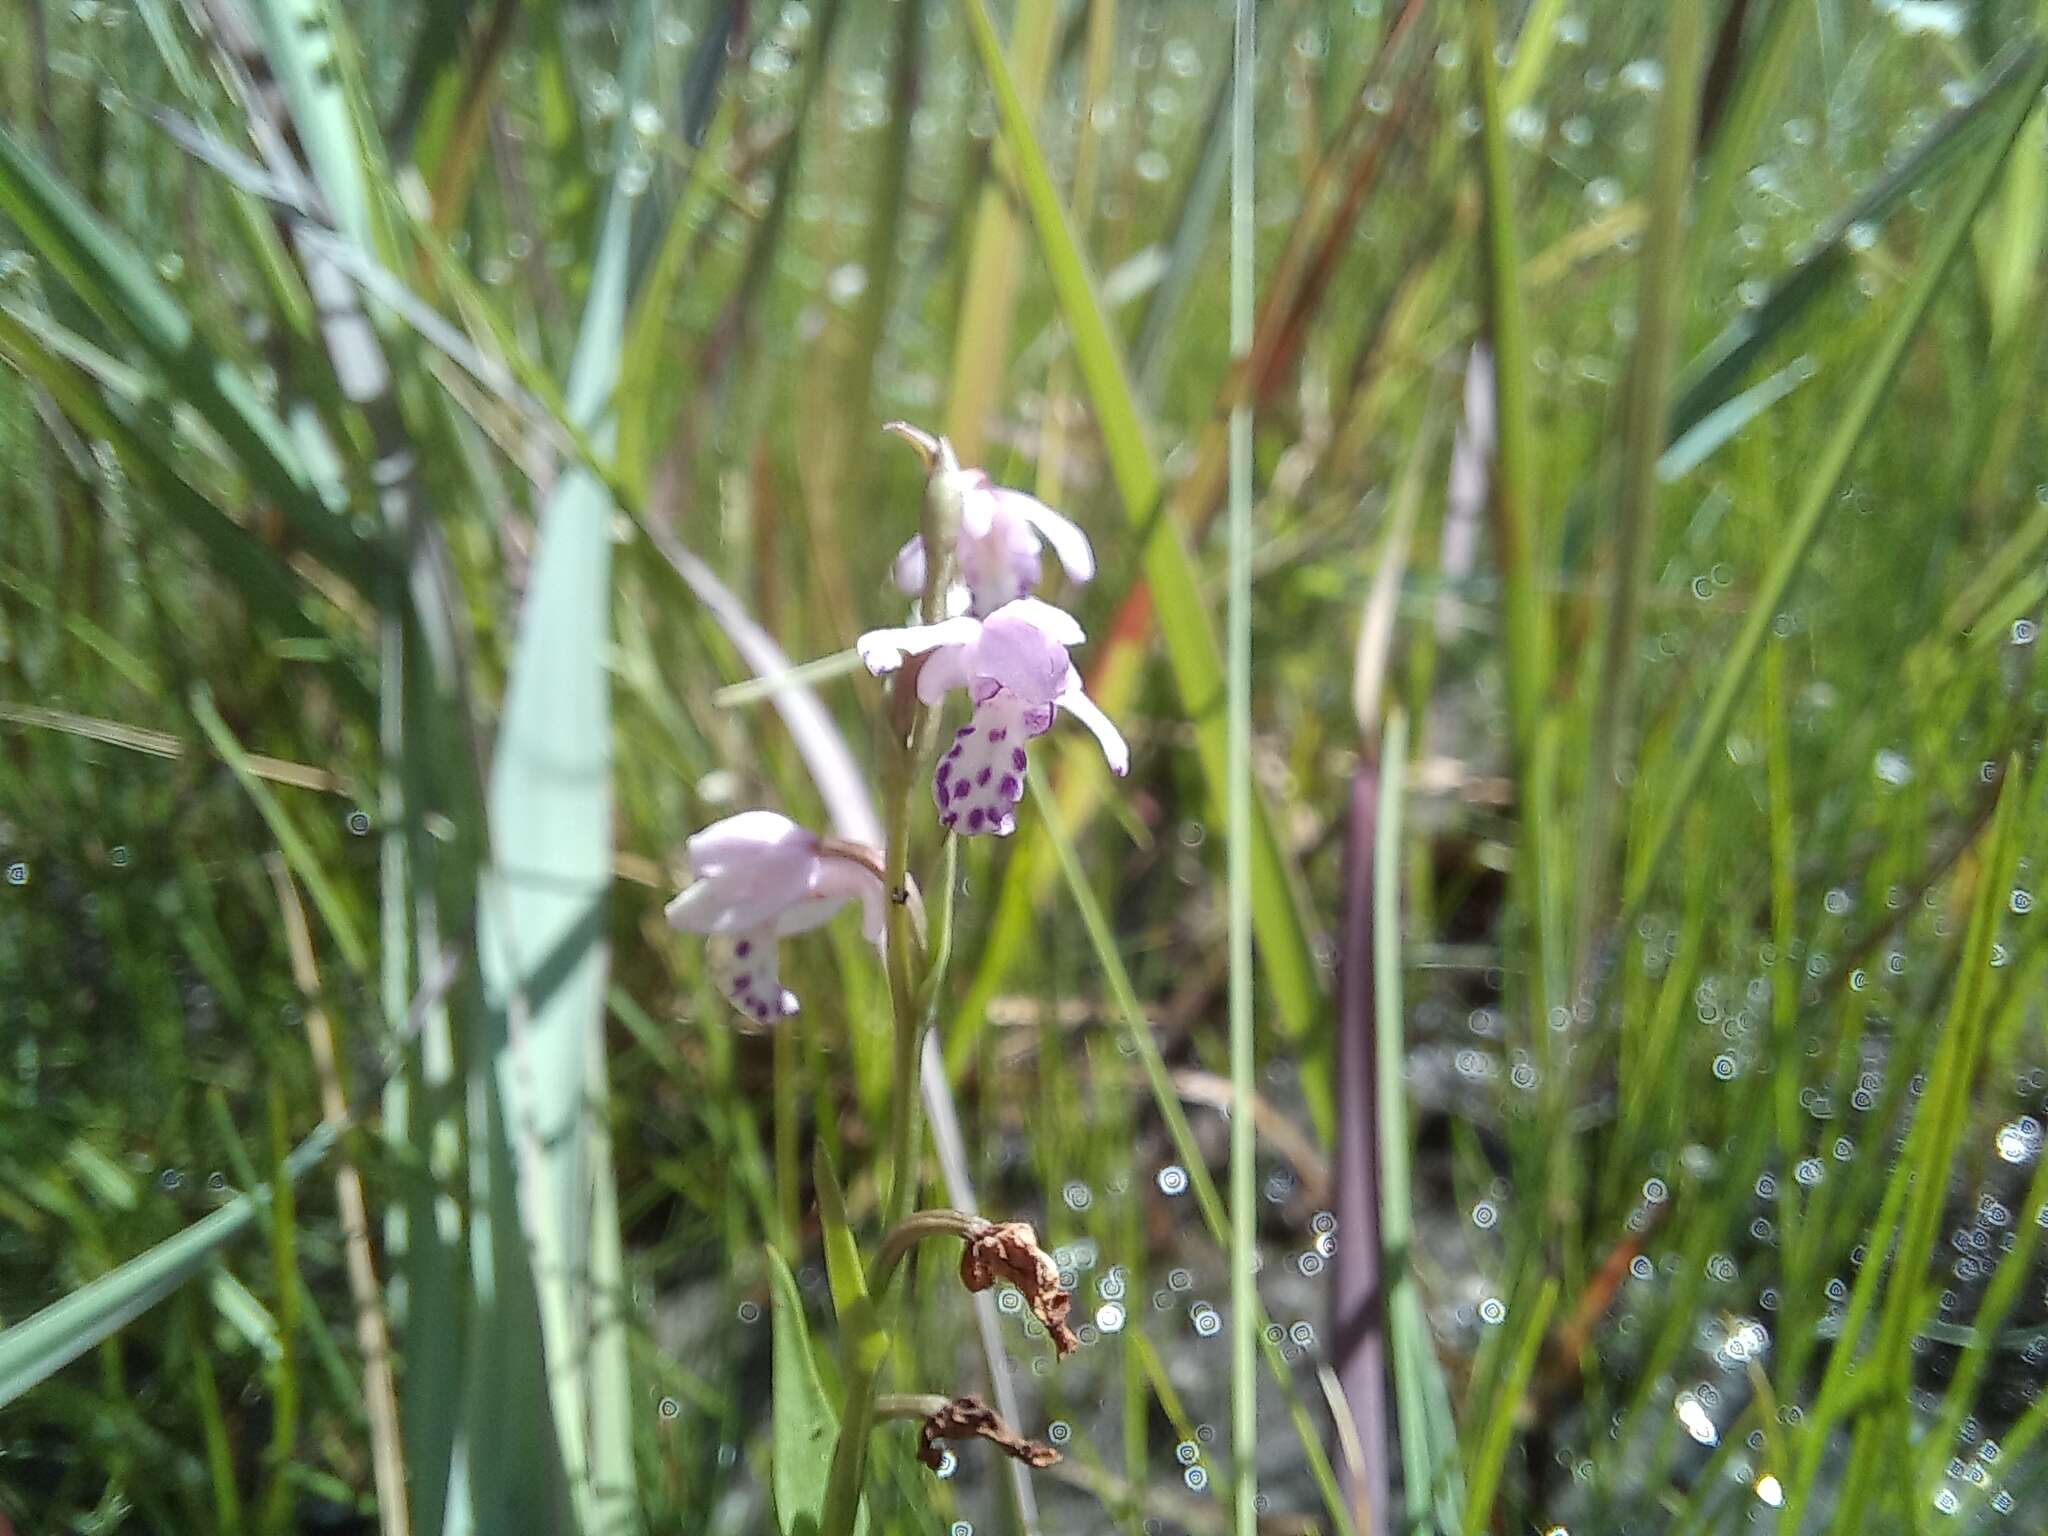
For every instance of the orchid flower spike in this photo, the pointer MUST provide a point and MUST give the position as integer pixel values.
(1000, 536)
(760, 877)
(1014, 666)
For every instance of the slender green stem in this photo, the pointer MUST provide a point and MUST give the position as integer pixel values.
(903, 1001)
(1244, 1295)
(911, 1231)
(1659, 306)
(908, 731)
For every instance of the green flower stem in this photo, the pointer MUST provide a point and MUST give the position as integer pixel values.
(911, 1231)
(909, 731)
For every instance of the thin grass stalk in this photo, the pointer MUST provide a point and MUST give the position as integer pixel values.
(1660, 305)
(1513, 498)
(1389, 1076)
(1191, 647)
(1830, 467)
(380, 1399)
(1244, 1386)
(1167, 1101)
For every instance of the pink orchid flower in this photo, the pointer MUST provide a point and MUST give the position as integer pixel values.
(1001, 534)
(760, 877)
(1014, 666)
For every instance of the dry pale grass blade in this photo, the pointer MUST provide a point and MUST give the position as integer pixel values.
(380, 1398)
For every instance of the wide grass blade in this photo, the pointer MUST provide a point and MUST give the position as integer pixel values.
(39, 1346)
(541, 907)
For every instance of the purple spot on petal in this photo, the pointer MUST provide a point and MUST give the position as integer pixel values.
(1010, 789)
(964, 732)
(983, 776)
(954, 753)
(975, 818)
(945, 769)
(1018, 759)
(951, 818)
(998, 734)
(744, 948)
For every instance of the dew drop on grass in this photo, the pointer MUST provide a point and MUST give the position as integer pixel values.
(2019, 1141)
(1493, 1311)
(1109, 1317)
(1205, 1320)
(17, 873)
(1173, 1180)
(669, 1408)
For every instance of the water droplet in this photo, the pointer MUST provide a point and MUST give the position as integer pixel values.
(17, 873)
(1173, 1180)
(1493, 1311)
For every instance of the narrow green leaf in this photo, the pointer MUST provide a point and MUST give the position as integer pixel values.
(45, 1343)
(1830, 465)
(805, 1425)
(1716, 373)
(111, 276)
(1169, 566)
(1516, 526)
(541, 921)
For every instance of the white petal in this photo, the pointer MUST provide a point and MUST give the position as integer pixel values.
(814, 911)
(909, 569)
(735, 900)
(978, 505)
(743, 838)
(883, 650)
(1089, 713)
(841, 879)
(744, 967)
(1076, 554)
(943, 671)
(1055, 624)
(1016, 652)
(696, 909)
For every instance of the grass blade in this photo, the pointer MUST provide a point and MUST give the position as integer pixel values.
(541, 923)
(112, 277)
(1831, 464)
(1516, 529)
(1714, 375)
(39, 1346)
(1659, 309)
(1244, 1236)
(1169, 567)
